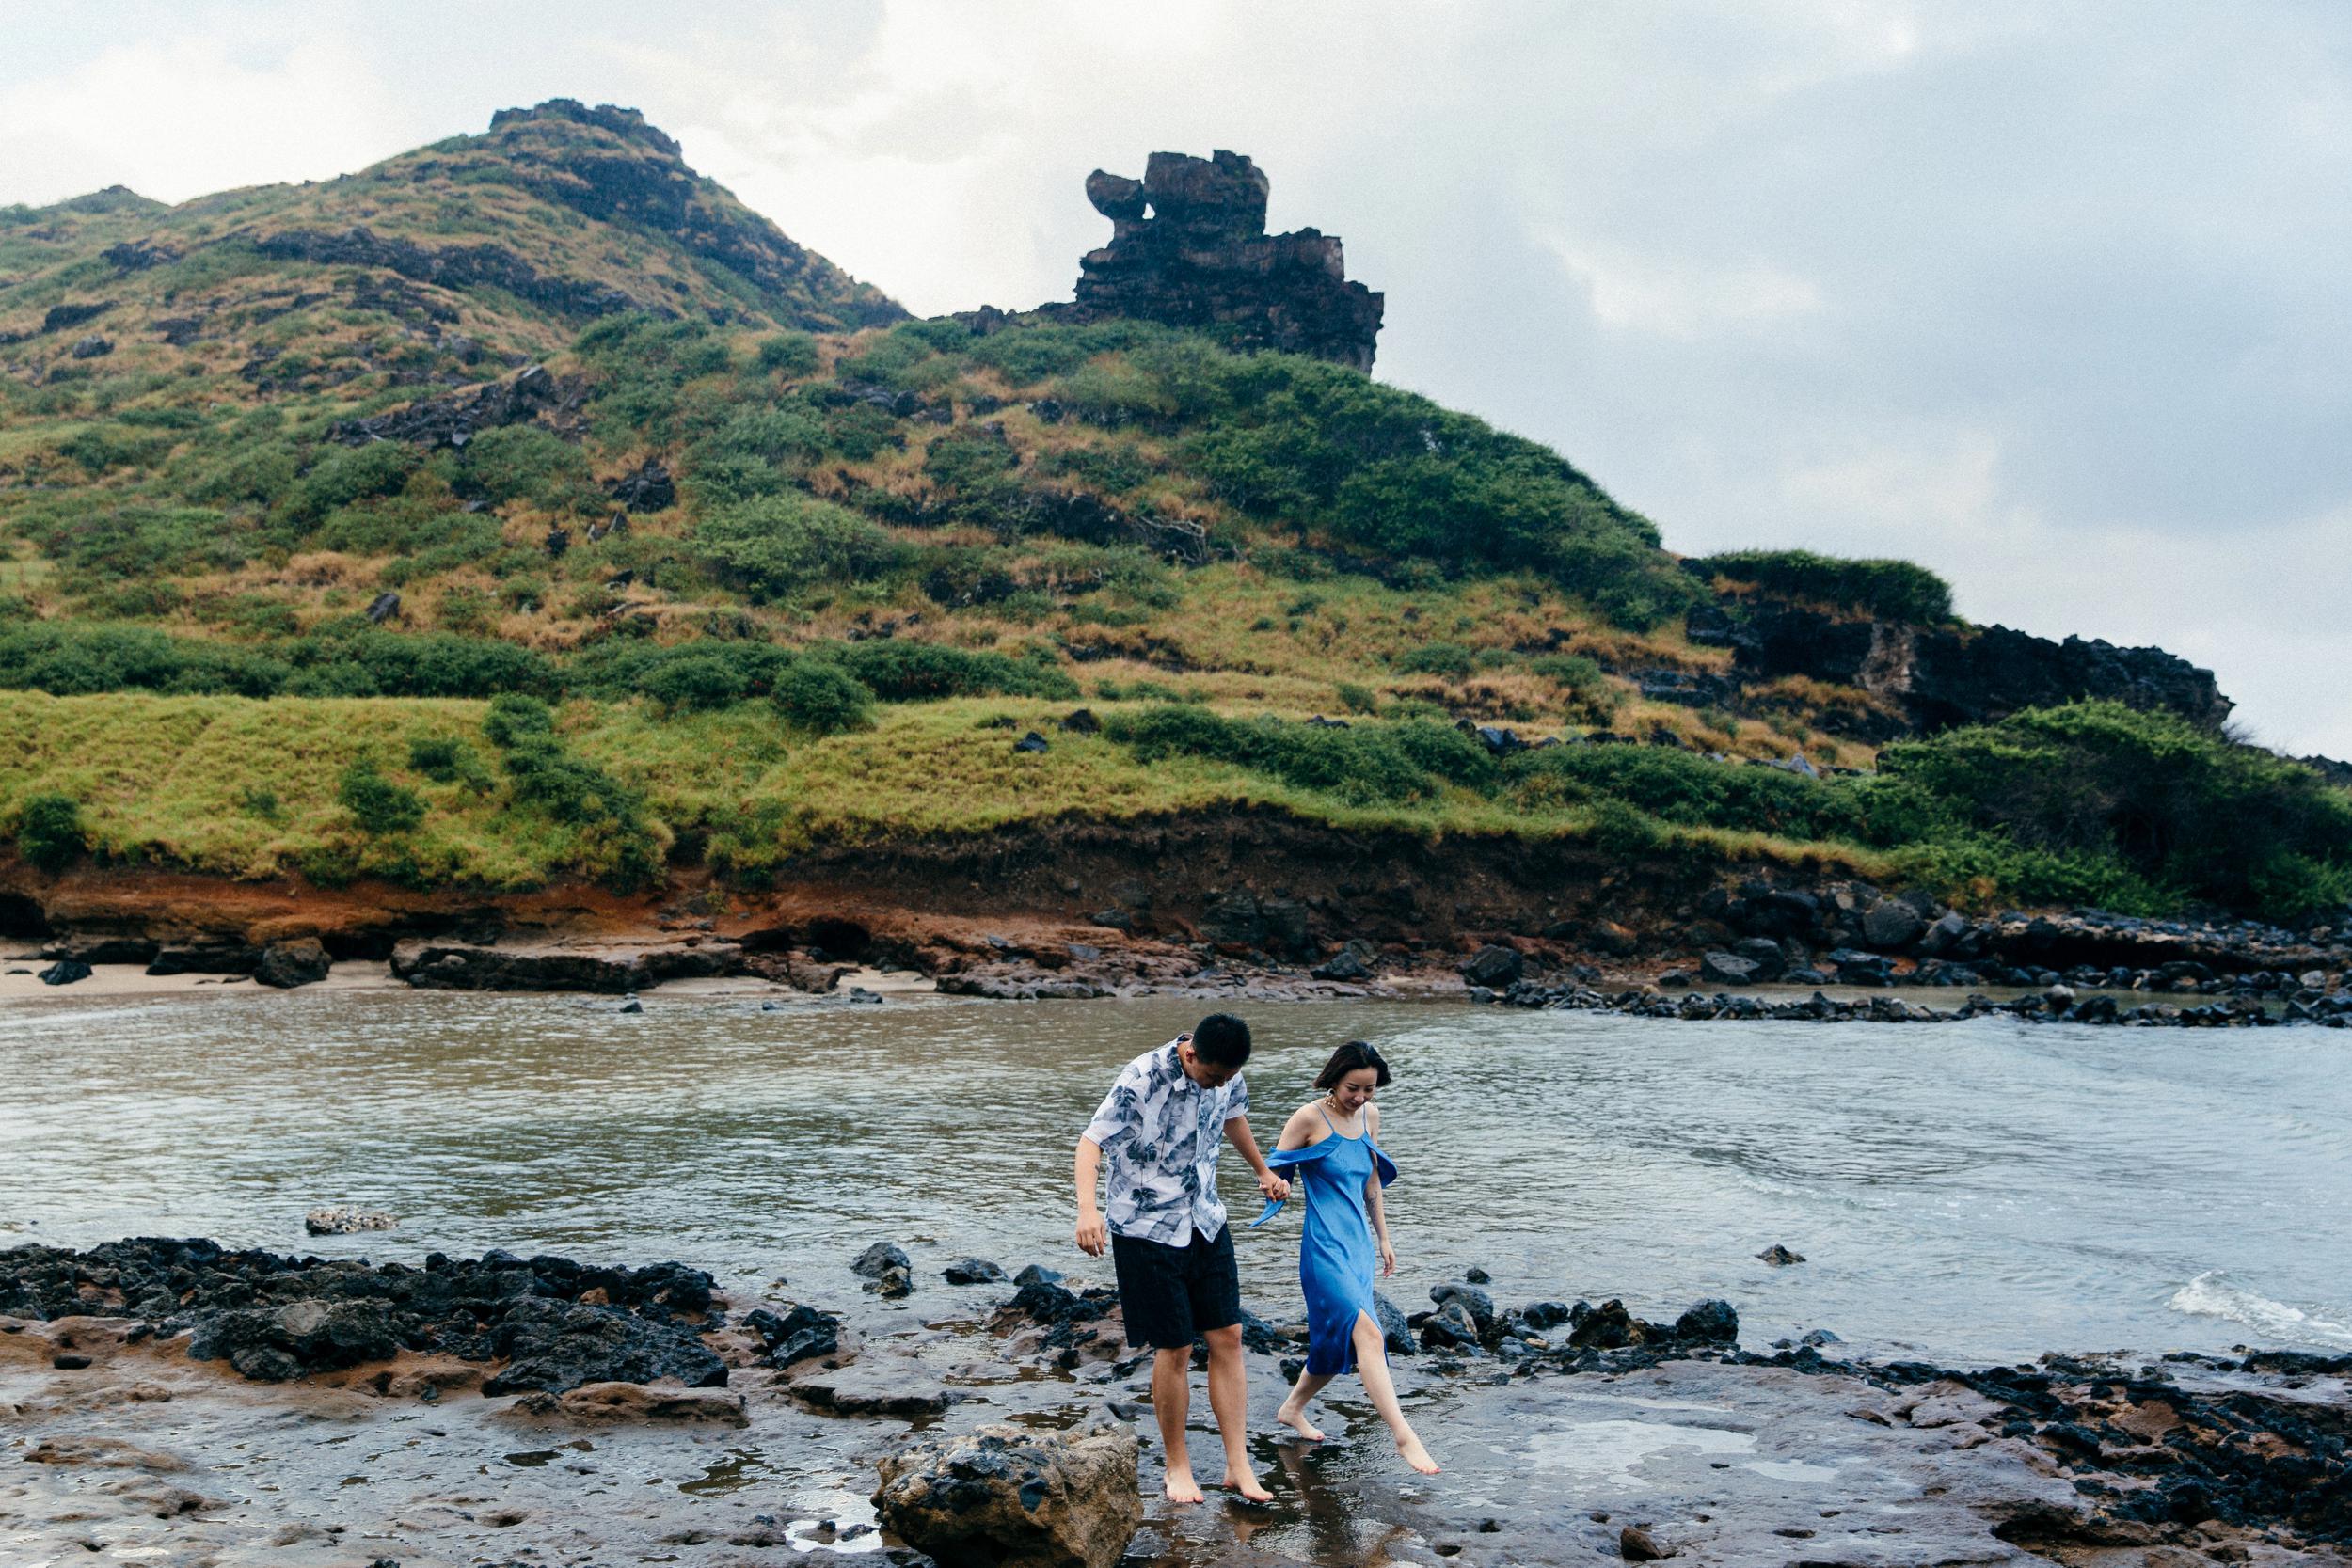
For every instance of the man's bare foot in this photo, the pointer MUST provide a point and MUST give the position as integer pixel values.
(1409, 1449)
(1296, 1420)
(1181, 1488)
(1243, 1481)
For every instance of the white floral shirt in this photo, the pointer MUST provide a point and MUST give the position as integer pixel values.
(1162, 1133)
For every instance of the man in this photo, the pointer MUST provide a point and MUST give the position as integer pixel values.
(1163, 1125)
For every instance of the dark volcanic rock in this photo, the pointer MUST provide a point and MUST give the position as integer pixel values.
(456, 267)
(1201, 259)
(799, 1333)
(557, 1346)
(65, 971)
(877, 1259)
(1010, 1498)
(275, 1318)
(206, 958)
(1494, 966)
(455, 420)
(613, 970)
(288, 964)
(972, 1271)
(1940, 676)
(646, 488)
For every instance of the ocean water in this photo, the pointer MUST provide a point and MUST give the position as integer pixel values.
(1974, 1191)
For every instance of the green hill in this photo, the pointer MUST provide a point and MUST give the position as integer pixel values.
(296, 482)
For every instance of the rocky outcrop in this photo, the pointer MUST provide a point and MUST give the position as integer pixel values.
(634, 174)
(614, 969)
(1940, 676)
(1189, 249)
(556, 1324)
(456, 419)
(462, 266)
(1007, 1496)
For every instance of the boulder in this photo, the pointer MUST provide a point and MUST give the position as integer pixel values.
(972, 1271)
(271, 1345)
(1081, 721)
(206, 958)
(1031, 742)
(1890, 924)
(65, 971)
(1006, 1497)
(1726, 969)
(878, 1259)
(1476, 1302)
(1780, 1256)
(646, 488)
(1038, 1274)
(615, 1404)
(893, 1283)
(798, 1334)
(1768, 957)
(1494, 966)
(1396, 1332)
(1711, 1322)
(342, 1221)
(288, 964)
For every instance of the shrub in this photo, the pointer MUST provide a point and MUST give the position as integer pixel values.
(1356, 699)
(49, 832)
(774, 544)
(2186, 813)
(789, 354)
(1450, 659)
(375, 802)
(703, 680)
(347, 474)
(446, 760)
(1365, 764)
(1884, 589)
(823, 699)
(1679, 786)
(617, 841)
(524, 462)
(900, 670)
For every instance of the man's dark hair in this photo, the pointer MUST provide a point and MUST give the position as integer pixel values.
(1221, 1040)
(1346, 1059)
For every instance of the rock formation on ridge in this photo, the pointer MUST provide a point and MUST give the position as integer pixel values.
(1189, 247)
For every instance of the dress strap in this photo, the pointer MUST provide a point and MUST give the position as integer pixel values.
(1326, 1119)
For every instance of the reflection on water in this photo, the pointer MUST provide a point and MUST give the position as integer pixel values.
(1971, 1191)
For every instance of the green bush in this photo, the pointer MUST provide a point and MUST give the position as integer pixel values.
(900, 670)
(772, 545)
(823, 699)
(1363, 765)
(707, 679)
(1449, 660)
(617, 840)
(377, 805)
(445, 759)
(343, 475)
(2163, 805)
(789, 354)
(1673, 785)
(524, 462)
(1884, 589)
(49, 832)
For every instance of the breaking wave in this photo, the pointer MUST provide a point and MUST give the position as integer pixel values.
(2212, 1295)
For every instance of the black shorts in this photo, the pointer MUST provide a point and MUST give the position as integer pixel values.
(1169, 1295)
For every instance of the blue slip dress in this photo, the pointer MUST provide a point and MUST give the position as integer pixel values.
(1337, 1258)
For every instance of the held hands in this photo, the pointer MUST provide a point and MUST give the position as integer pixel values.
(1093, 1239)
(1274, 1186)
(1387, 1258)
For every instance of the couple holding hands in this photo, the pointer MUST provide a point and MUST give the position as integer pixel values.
(1161, 1129)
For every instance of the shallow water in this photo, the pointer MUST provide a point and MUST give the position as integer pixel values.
(1966, 1192)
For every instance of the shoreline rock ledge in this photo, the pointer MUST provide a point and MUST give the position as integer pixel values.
(1009, 1497)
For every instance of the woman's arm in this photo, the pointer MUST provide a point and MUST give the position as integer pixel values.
(1373, 1204)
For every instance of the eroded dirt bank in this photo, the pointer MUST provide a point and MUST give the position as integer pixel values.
(1251, 902)
(1561, 1428)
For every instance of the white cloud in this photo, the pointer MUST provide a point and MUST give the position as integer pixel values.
(1680, 297)
(179, 117)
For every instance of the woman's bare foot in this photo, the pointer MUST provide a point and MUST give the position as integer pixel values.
(1247, 1486)
(1181, 1488)
(1296, 1418)
(1408, 1448)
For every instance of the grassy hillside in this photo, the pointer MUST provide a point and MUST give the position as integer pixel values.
(791, 574)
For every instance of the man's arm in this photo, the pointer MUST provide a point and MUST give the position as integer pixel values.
(1237, 1133)
(1093, 1239)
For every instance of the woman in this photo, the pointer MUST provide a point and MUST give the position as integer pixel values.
(1332, 1141)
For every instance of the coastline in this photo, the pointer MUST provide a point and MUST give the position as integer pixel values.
(1716, 1454)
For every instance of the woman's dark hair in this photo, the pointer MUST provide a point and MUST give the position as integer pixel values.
(1346, 1059)
(1221, 1040)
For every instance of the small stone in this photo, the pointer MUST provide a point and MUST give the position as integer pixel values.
(1780, 1256)
(342, 1221)
(1031, 742)
(65, 971)
(1635, 1545)
(68, 1361)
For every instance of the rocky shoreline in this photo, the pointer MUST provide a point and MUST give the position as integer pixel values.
(138, 1376)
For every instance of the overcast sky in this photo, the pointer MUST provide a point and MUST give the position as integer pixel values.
(2055, 299)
